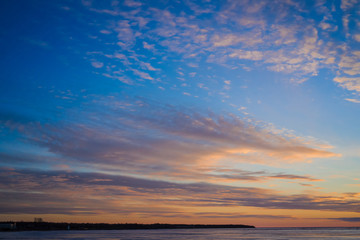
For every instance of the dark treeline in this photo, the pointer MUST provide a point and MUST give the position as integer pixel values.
(47, 226)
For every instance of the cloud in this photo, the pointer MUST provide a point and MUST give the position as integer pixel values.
(240, 216)
(349, 83)
(149, 67)
(294, 177)
(349, 63)
(143, 75)
(352, 100)
(104, 31)
(226, 40)
(357, 37)
(166, 141)
(56, 192)
(97, 64)
(285, 39)
(355, 219)
(120, 78)
(251, 55)
(131, 3)
(348, 4)
(218, 174)
(148, 46)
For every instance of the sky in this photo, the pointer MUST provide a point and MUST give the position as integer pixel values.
(208, 112)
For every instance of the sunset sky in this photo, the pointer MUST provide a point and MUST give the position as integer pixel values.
(216, 112)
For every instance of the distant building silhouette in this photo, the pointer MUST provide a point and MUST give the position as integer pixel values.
(38, 220)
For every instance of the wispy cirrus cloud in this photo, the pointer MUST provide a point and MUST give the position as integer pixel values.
(352, 100)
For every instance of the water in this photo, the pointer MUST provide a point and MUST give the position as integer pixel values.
(192, 234)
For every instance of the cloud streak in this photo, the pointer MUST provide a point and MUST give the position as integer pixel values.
(104, 193)
(151, 138)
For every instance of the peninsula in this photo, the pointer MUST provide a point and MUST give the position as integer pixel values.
(48, 226)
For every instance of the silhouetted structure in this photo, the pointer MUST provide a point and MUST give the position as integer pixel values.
(38, 220)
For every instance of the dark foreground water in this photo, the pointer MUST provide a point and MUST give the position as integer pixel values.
(193, 234)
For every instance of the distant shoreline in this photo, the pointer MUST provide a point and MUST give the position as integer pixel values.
(49, 226)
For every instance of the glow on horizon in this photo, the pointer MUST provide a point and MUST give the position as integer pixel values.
(233, 112)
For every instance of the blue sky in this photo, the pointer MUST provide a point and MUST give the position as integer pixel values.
(250, 99)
